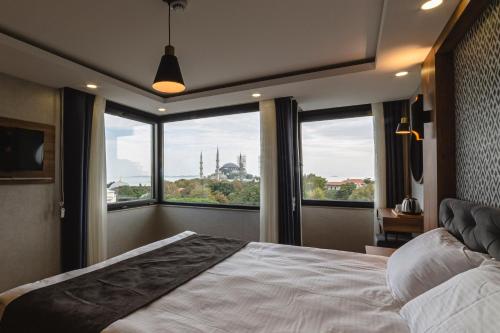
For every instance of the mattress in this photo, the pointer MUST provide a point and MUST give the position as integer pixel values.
(264, 288)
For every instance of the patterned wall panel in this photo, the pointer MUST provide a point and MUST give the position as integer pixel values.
(477, 101)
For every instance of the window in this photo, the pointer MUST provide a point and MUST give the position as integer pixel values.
(129, 156)
(338, 159)
(212, 160)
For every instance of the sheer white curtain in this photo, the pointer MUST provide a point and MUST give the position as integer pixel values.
(380, 167)
(268, 173)
(97, 206)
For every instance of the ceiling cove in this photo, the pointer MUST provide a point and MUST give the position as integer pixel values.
(225, 51)
(324, 53)
(257, 82)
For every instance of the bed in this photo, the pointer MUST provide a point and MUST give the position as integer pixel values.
(264, 288)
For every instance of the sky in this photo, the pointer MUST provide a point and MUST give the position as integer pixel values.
(128, 150)
(339, 149)
(233, 134)
(334, 149)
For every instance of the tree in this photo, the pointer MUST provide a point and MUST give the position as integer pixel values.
(213, 191)
(311, 182)
(132, 192)
(198, 191)
(368, 181)
(171, 188)
(316, 194)
(345, 191)
(220, 197)
(223, 187)
(331, 194)
(249, 194)
(364, 193)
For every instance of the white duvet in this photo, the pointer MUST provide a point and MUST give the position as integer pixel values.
(264, 288)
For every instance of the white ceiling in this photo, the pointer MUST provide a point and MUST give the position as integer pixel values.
(220, 42)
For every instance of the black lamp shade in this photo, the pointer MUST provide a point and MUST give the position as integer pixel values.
(403, 126)
(168, 78)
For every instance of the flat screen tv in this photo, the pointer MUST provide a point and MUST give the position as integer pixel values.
(27, 152)
(20, 149)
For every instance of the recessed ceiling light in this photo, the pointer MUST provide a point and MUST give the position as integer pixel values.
(162, 109)
(91, 86)
(399, 74)
(431, 4)
(256, 95)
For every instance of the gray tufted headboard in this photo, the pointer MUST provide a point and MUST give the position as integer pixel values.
(478, 227)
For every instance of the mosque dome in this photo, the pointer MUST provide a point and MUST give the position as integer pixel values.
(230, 166)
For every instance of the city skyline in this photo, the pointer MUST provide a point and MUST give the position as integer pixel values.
(334, 150)
(232, 134)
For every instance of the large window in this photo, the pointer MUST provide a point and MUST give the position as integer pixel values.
(212, 160)
(338, 159)
(129, 156)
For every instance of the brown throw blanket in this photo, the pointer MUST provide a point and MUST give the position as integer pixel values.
(93, 301)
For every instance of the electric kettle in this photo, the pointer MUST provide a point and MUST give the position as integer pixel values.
(410, 206)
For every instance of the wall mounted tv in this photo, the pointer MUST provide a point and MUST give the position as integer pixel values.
(26, 152)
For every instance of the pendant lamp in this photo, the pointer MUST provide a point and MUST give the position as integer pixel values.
(168, 79)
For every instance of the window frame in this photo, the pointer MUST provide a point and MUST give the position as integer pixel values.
(126, 112)
(199, 114)
(354, 111)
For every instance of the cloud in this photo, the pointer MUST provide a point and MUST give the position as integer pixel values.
(332, 148)
(339, 148)
(233, 134)
(128, 148)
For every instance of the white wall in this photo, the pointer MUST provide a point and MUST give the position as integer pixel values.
(417, 191)
(347, 229)
(131, 228)
(233, 223)
(29, 217)
(29, 214)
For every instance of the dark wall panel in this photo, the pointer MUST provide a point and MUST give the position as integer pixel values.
(477, 109)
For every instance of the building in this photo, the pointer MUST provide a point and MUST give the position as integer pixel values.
(230, 169)
(110, 196)
(337, 184)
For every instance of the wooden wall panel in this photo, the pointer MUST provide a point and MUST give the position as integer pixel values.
(429, 145)
(47, 175)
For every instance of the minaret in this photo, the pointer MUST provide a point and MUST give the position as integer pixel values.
(217, 171)
(240, 165)
(201, 165)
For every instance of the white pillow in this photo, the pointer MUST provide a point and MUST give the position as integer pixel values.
(469, 302)
(427, 261)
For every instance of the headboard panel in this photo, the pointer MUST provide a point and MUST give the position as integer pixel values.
(478, 227)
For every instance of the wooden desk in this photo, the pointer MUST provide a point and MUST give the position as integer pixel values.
(379, 251)
(394, 223)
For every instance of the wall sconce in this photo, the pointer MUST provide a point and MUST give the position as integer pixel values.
(417, 119)
(403, 126)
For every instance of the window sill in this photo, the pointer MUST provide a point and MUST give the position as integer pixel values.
(130, 204)
(213, 206)
(332, 203)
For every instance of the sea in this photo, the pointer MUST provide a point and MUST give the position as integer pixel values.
(146, 180)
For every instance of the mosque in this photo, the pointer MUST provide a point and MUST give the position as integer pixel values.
(228, 170)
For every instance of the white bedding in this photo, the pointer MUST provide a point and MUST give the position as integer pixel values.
(264, 288)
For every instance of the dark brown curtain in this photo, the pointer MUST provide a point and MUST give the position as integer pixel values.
(289, 192)
(77, 122)
(395, 173)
